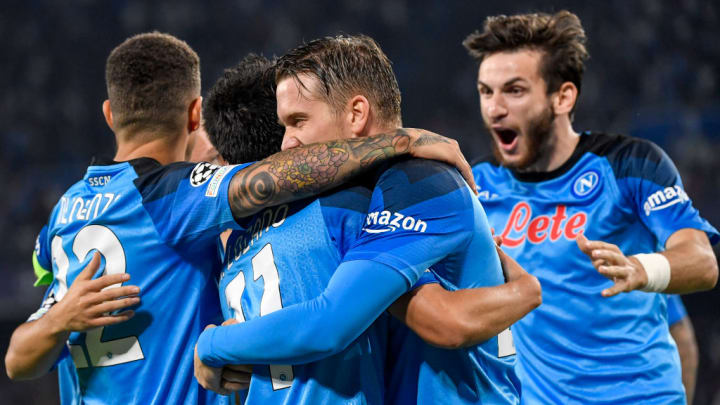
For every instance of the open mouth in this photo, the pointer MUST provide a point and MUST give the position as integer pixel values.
(506, 137)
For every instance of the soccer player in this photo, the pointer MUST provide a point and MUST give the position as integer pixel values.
(308, 309)
(682, 332)
(149, 214)
(601, 220)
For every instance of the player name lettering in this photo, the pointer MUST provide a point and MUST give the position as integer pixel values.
(85, 209)
(662, 199)
(520, 225)
(393, 221)
(270, 218)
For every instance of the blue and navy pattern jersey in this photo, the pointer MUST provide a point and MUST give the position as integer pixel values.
(422, 214)
(579, 347)
(286, 256)
(675, 309)
(160, 224)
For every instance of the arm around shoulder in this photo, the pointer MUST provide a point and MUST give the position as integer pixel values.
(454, 319)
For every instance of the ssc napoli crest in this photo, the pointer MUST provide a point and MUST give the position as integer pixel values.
(202, 173)
(586, 183)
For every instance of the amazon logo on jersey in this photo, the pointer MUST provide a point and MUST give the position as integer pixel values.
(662, 199)
(393, 221)
(522, 226)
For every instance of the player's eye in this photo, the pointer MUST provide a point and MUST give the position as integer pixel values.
(484, 91)
(516, 90)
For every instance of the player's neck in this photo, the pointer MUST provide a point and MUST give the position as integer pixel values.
(376, 129)
(165, 150)
(558, 149)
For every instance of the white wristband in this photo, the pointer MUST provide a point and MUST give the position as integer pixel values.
(657, 268)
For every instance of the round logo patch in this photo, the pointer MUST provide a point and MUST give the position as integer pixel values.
(586, 183)
(202, 173)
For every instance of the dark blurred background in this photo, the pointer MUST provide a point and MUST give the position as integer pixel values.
(654, 72)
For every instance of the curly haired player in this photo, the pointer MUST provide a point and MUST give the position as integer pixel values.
(601, 220)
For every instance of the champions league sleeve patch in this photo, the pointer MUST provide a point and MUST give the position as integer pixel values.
(202, 173)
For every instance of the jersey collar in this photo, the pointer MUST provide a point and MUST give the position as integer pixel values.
(534, 177)
(140, 165)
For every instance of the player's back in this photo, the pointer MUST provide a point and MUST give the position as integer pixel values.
(420, 200)
(287, 256)
(135, 214)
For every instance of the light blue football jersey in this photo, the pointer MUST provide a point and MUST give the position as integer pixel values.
(578, 347)
(287, 255)
(675, 309)
(161, 225)
(423, 214)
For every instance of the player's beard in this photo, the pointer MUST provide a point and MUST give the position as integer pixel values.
(538, 135)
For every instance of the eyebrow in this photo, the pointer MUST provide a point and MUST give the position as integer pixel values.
(507, 83)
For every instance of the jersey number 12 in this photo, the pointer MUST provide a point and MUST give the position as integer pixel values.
(99, 353)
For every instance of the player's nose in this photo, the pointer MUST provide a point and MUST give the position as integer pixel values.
(290, 142)
(495, 108)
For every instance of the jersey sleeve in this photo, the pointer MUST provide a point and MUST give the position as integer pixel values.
(188, 202)
(419, 214)
(675, 309)
(650, 179)
(428, 277)
(42, 259)
(356, 295)
(48, 301)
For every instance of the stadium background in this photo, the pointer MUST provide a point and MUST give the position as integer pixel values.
(654, 72)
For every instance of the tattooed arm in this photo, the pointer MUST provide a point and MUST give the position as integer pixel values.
(311, 169)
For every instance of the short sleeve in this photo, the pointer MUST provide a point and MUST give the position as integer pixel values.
(675, 309)
(188, 203)
(428, 277)
(650, 179)
(418, 215)
(48, 301)
(42, 259)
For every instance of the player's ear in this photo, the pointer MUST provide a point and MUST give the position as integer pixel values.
(358, 115)
(194, 114)
(107, 112)
(564, 99)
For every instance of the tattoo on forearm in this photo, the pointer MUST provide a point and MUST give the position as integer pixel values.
(308, 170)
(428, 139)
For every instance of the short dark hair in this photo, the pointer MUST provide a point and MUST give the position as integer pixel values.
(150, 79)
(346, 66)
(240, 112)
(560, 37)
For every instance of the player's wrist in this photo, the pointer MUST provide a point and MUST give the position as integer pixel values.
(55, 324)
(657, 270)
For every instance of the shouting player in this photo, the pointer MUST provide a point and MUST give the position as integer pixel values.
(601, 220)
(382, 232)
(150, 215)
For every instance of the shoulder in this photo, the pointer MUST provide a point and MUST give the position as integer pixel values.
(413, 181)
(352, 196)
(632, 157)
(618, 147)
(155, 181)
